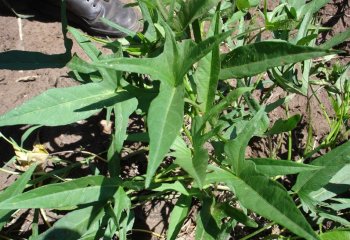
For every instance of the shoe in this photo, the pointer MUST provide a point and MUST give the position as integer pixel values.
(87, 15)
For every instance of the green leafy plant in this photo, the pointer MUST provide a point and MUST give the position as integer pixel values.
(196, 100)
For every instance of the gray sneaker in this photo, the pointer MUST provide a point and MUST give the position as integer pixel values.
(87, 15)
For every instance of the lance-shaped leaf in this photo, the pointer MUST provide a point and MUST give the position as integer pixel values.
(60, 195)
(164, 123)
(332, 162)
(194, 9)
(207, 72)
(337, 39)
(178, 216)
(15, 189)
(265, 197)
(339, 183)
(122, 111)
(207, 226)
(274, 167)
(109, 76)
(64, 105)
(120, 215)
(183, 156)
(75, 224)
(235, 149)
(249, 60)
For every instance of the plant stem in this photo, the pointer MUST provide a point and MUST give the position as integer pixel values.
(83, 152)
(171, 12)
(258, 231)
(147, 231)
(8, 171)
(162, 9)
(290, 143)
(172, 179)
(43, 214)
(197, 31)
(188, 134)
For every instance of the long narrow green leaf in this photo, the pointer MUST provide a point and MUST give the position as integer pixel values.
(235, 149)
(64, 105)
(122, 112)
(207, 73)
(74, 224)
(255, 58)
(199, 161)
(238, 215)
(337, 39)
(193, 9)
(122, 205)
(265, 197)
(332, 162)
(312, 6)
(14, 189)
(81, 191)
(178, 216)
(150, 32)
(207, 228)
(89, 49)
(274, 167)
(338, 184)
(183, 156)
(111, 77)
(164, 123)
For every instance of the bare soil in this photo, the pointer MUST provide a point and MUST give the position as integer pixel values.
(16, 86)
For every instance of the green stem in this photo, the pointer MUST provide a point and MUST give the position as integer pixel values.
(258, 231)
(111, 212)
(197, 31)
(68, 43)
(35, 224)
(162, 9)
(290, 143)
(171, 12)
(172, 179)
(188, 134)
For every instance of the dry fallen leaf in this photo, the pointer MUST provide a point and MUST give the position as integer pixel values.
(24, 159)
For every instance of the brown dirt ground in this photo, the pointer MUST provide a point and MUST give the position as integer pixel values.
(45, 36)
